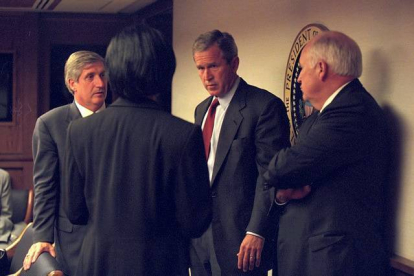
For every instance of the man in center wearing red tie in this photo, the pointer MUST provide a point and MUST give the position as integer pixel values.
(243, 126)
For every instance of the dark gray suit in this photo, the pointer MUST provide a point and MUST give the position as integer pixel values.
(342, 154)
(50, 222)
(138, 177)
(255, 127)
(6, 225)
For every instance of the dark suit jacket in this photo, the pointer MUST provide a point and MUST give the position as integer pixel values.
(50, 222)
(255, 127)
(6, 224)
(342, 154)
(138, 177)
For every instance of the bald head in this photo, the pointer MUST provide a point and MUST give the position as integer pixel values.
(339, 51)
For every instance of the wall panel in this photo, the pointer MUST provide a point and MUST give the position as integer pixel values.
(30, 36)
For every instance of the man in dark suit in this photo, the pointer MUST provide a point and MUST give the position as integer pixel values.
(335, 171)
(250, 126)
(136, 175)
(85, 78)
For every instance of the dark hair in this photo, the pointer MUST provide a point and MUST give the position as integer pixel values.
(223, 40)
(139, 63)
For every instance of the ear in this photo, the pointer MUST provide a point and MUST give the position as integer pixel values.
(72, 85)
(235, 64)
(322, 70)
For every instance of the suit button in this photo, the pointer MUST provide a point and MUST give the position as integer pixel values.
(213, 194)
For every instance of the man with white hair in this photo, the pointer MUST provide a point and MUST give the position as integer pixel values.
(332, 180)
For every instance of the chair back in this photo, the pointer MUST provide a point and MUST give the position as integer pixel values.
(44, 265)
(22, 205)
(21, 246)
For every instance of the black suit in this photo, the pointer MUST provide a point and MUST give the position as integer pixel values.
(138, 177)
(342, 154)
(255, 127)
(50, 222)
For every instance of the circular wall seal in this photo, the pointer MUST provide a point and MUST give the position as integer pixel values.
(298, 110)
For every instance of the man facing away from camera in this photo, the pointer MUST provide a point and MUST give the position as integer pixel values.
(136, 175)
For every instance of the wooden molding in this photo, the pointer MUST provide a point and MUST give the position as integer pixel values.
(402, 264)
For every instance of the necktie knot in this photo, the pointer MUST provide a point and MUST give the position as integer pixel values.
(209, 126)
(214, 104)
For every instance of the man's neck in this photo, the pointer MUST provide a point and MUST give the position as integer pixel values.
(336, 89)
(330, 87)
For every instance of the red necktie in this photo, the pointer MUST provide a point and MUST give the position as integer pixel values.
(209, 125)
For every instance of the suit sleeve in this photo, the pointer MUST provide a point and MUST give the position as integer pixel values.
(6, 225)
(192, 193)
(74, 203)
(46, 181)
(271, 135)
(335, 140)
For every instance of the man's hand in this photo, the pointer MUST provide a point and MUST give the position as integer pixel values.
(283, 196)
(250, 252)
(35, 251)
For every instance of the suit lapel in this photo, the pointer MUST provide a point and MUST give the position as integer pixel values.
(202, 110)
(231, 124)
(73, 113)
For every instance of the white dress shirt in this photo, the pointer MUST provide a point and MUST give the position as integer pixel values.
(332, 97)
(86, 112)
(218, 122)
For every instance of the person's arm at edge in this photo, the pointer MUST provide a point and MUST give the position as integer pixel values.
(192, 194)
(272, 134)
(45, 177)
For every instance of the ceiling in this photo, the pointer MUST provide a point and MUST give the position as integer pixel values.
(75, 6)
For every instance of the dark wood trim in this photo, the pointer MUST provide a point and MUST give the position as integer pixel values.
(402, 264)
(159, 7)
(32, 36)
(72, 29)
(79, 17)
(13, 92)
(21, 173)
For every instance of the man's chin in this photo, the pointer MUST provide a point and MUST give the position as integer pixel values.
(214, 93)
(99, 103)
(98, 99)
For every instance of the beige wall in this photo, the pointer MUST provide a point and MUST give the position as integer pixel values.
(265, 30)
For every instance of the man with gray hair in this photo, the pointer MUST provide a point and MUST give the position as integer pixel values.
(85, 78)
(250, 126)
(332, 180)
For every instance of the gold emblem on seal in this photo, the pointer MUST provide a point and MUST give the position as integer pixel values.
(297, 110)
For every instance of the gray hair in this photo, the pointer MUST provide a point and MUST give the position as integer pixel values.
(340, 52)
(75, 64)
(223, 40)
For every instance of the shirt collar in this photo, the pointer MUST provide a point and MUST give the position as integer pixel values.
(225, 101)
(332, 97)
(86, 112)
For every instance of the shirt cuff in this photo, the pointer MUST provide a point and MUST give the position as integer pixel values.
(254, 234)
(280, 204)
